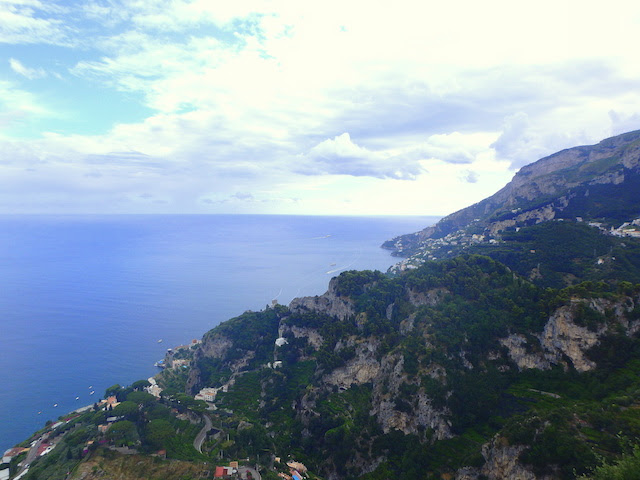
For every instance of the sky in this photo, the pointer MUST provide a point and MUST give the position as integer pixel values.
(293, 107)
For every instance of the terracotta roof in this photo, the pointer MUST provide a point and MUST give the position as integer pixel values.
(12, 452)
(43, 446)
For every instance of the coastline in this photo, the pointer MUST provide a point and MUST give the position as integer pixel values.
(103, 289)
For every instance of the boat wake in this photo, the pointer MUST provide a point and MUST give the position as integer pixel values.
(345, 267)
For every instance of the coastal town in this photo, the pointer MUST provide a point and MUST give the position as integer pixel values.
(428, 249)
(114, 412)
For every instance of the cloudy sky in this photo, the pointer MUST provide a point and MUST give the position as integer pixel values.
(332, 107)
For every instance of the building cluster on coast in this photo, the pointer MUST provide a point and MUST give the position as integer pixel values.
(176, 358)
(435, 248)
(40, 446)
(17, 460)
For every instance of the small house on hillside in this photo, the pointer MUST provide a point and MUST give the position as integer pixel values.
(12, 452)
(222, 472)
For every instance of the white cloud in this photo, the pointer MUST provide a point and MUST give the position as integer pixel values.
(469, 176)
(621, 123)
(18, 106)
(30, 73)
(251, 98)
(340, 156)
(521, 142)
(29, 22)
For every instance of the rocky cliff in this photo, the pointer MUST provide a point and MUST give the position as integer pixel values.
(563, 342)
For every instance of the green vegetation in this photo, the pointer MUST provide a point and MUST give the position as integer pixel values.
(625, 468)
(475, 300)
(560, 253)
(140, 422)
(432, 337)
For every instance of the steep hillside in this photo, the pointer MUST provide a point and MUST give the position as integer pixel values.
(453, 367)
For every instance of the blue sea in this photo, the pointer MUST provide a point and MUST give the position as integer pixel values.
(90, 301)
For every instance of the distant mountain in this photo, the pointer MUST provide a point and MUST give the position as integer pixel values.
(597, 183)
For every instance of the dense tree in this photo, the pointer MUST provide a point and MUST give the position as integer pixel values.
(158, 431)
(113, 390)
(141, 398)
(122, 432)
(126, 409)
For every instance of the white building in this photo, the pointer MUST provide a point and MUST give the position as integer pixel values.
(207, 394)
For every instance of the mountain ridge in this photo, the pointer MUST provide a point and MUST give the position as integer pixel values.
(540, 191)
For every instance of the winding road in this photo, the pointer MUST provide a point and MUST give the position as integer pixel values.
(197, 443)
(254, 474)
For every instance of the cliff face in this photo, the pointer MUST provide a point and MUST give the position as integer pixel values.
(213, 346)
(563, 342)
(330, 303)
(502, 462)
(385, 374)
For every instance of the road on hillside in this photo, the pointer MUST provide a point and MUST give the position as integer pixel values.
(31, 456)
(197, 443)
(254, 474)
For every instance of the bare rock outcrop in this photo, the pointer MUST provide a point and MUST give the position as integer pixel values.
(329, 303)
(214, 346)
(563, 339)
(423, 414)
(363, 368)
(429, 298)
(501, 462)
(561, 336)
(543, 214)
(311, 334)
(517, 346)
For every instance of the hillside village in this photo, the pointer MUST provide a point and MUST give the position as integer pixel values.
(431, 249)
(17, 461)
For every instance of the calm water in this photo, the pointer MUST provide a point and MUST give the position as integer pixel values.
(85, 299)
